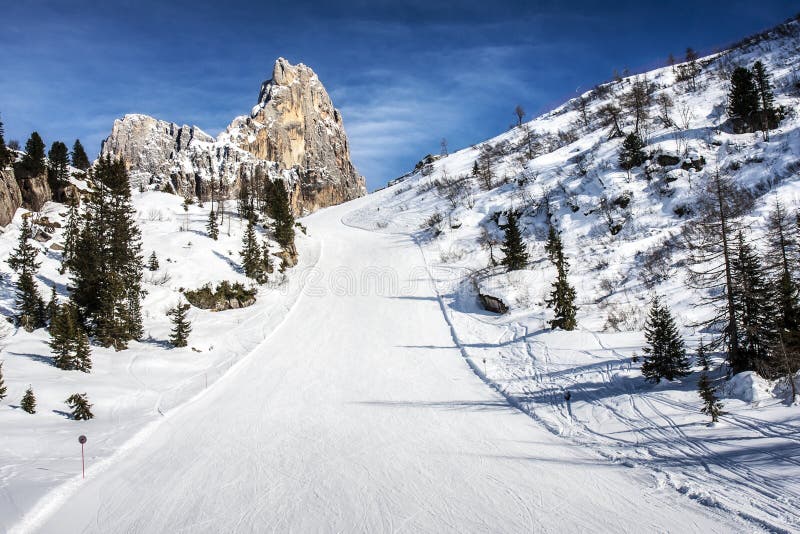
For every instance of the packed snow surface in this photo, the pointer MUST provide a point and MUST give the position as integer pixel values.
(359, 413)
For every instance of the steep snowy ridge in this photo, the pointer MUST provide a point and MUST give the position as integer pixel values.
(294, 133)
(621, 234)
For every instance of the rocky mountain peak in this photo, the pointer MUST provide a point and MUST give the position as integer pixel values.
(294, 132)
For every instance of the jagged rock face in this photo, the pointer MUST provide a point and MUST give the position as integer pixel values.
(294, 133)
(35, 190)
(10, 195)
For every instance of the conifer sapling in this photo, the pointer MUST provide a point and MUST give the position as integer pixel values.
(80, 408)
(28, 402)
(665, 353)
(181, 327)
(711, 404)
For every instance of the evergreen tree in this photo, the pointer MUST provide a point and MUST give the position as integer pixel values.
(80, 407)
(58, 166)
(768, 113)
(743, 102)
(63, 332)
(665, 355)
(753, 302)
(251, 253)
(33, 160)
(781, 254)
(632, 153)
(711, 405)
(6, 157)
(71, 235)
(3, 388)
(711, 240)
(28, 402)
(79, 158)
(52, 305)
(513, 247)
(107, 265)
(152, 263)
(181, 327)
(211, 226)
(266, 260)
(30, 306)
(702, 357)
(553, 244)
(562, 297)
(280, 211)
(83, 351)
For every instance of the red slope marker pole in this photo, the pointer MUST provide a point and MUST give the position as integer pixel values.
(82, 441)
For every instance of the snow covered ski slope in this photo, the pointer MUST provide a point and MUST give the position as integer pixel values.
(359, 414)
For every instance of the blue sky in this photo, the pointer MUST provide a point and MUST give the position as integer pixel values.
(404, 74)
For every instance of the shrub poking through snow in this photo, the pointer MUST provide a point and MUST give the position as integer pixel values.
(632, 153)
(226, 296)
(665, 353)
(28, 402)
(80, 408)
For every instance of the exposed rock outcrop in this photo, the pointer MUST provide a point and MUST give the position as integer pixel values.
(293, 132)
(35, 190)
(10, 195)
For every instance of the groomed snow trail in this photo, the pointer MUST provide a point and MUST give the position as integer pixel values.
(360, 415)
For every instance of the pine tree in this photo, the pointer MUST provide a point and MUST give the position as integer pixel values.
(553, 244)
(711, 240)
(58, 165)
(152, 263)
(107, 266)
(251, 253)
(63, 332)
(28, 402)
(743, 102)
(79, 158)
(781, 254)
(562, 297)
(768, 114)
(702, 357)
(3, 388)
(753, 302)
(83, 351)
(211, 226)
(71, 234)
(181, 327)
(80, 407)
(266, 261)
(33, 160)
(280, 211)
(513, 247)
(23, 261)
(632, 153)
(52, 305)
(711, 405)
(665, 355)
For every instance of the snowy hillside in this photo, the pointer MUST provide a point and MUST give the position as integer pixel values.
(622, 235)
(131, 389)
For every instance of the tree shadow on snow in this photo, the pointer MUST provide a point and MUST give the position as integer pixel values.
(232, 264)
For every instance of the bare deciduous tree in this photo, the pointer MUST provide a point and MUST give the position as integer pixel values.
(520, 113)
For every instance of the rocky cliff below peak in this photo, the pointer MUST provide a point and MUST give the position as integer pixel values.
(294, 132)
